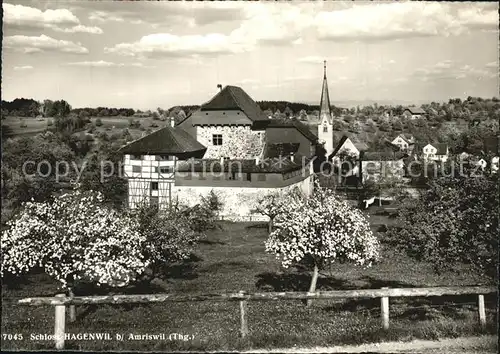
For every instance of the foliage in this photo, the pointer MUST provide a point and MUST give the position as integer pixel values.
(168, 233)
(324, 228)
(98, 122)
(75, 238)
(204, 216)
(455, 221)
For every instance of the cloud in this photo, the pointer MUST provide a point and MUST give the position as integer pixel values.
(105, 64)
(449, 70)
(61, 20)
(42, 43)
(80, 28)
(169, 45)
(166, 13)
(386, 21)
(25, 67)
(492, 64)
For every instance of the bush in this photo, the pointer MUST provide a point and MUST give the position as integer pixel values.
(154, 125)
(98, 122)
(23, 124)
(204, 216)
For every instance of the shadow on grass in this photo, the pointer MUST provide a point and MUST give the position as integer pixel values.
(208, 242)
(260, 225)
(268, 281)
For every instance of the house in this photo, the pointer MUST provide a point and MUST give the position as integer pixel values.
(227, 146)
(414, 112)
(434, 152)
(378, 165)
(347, 146)
(404, 142)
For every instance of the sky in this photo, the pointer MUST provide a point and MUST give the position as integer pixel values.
(145, 55)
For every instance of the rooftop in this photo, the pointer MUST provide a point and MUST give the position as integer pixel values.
(235, 98)
(167, 140)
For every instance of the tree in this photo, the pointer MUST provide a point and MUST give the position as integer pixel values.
(319, 230)
(75, 239)
(303, 114)
(273, 203)
(98, 122)
(454, 222)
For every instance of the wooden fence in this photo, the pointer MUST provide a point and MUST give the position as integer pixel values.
(61, 301)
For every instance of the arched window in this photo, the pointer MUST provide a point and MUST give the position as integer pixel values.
(325, 128)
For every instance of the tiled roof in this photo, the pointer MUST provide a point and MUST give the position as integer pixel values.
(359, 145)
(234, 98)
(167, 140)
(381, 155)
(291, 123)
(280, 149)
(274, 165)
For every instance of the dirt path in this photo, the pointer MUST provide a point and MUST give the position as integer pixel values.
(463, 345)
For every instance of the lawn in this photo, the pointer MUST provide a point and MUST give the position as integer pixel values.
(234, 259)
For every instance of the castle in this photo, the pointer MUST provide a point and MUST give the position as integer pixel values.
(228, 146)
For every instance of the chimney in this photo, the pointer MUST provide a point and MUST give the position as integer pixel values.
(172, 122)
(219, 86)
(292, 157)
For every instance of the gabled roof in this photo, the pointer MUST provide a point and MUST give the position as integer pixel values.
(441, 149)
(415, 110)
(167, 140)
(406, 137)
(291, 123)
(359, 145)
(234, 98)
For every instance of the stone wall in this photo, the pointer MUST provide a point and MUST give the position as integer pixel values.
(238, 142)
(239, 203)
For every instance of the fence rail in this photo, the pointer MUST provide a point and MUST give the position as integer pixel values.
(61, 301)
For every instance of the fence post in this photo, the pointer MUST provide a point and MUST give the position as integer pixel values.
(59, 323)
(482, 311)
(72, 309)
(384, 304)
(243, 317)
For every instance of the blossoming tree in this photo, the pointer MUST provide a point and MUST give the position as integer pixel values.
(74, 238)
(320, 230)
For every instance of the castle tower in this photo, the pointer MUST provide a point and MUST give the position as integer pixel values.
(325, 126)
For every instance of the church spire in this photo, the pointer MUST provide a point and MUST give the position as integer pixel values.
(324, 105)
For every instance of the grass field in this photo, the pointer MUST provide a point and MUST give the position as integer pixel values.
(234, 259)
(109, 125)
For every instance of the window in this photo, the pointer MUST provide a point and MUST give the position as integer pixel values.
(217, 139)
(166, 169)
(325, 128)
(136, 169)
(261, 177)
(154, 186)
(249, 177)
(163, 158)
(136, 157)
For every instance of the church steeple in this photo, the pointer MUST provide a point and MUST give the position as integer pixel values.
(324, 105)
